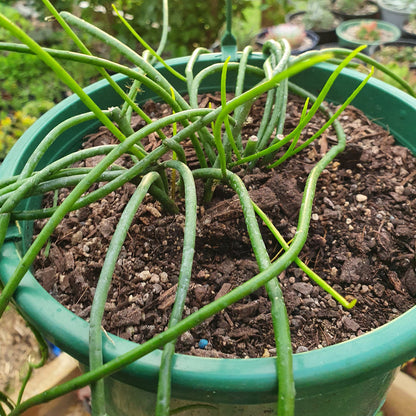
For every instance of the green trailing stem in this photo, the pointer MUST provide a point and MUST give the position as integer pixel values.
(309, 272)
(292, 151)
(190, 67)
(125, 113)
(4, 224)
(61, 74)
(276, 144)
(174, 157)
(103, 285)
(164, 385)
(282, 95)
(296, 138)
(155, 55)
(241, 113)
(204, 135)
(284, 365)
(86, 51)
(242, 70)
(253, 93)
(303, 223)
(342, 53)
(228, 138)
(165, 28)
(280, 55)
(129, 53)
(126, 108)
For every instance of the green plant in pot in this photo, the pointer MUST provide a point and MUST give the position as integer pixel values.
(352, 33)
(318, 16)
(409, 28)
(48, 160)
(400, 57)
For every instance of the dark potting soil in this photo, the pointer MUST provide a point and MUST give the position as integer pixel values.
(362, 240)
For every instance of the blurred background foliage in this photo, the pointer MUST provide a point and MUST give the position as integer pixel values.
(192, 24)
(26, 88)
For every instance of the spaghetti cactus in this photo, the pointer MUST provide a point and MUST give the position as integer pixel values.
(218, 150)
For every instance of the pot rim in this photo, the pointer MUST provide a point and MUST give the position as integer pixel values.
(253, 379)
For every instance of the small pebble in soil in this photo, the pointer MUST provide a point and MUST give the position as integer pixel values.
(187, 338)
(202, 343)
(361, 198)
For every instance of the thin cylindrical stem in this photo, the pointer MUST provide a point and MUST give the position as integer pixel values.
(23, 187)
(61, 73)
(129, 53)
(164, 386)
(284, 362)
(309, 272)
(50, 138)
(103, 285)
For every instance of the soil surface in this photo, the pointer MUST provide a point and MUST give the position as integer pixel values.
(362, 241)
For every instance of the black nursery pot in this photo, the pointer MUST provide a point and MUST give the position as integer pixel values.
(398, 43)
(325, 35)
(313, 38)
(408, 35)
(346, 16)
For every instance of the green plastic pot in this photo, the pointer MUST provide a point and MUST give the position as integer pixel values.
(347, 379)
(345, 40)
